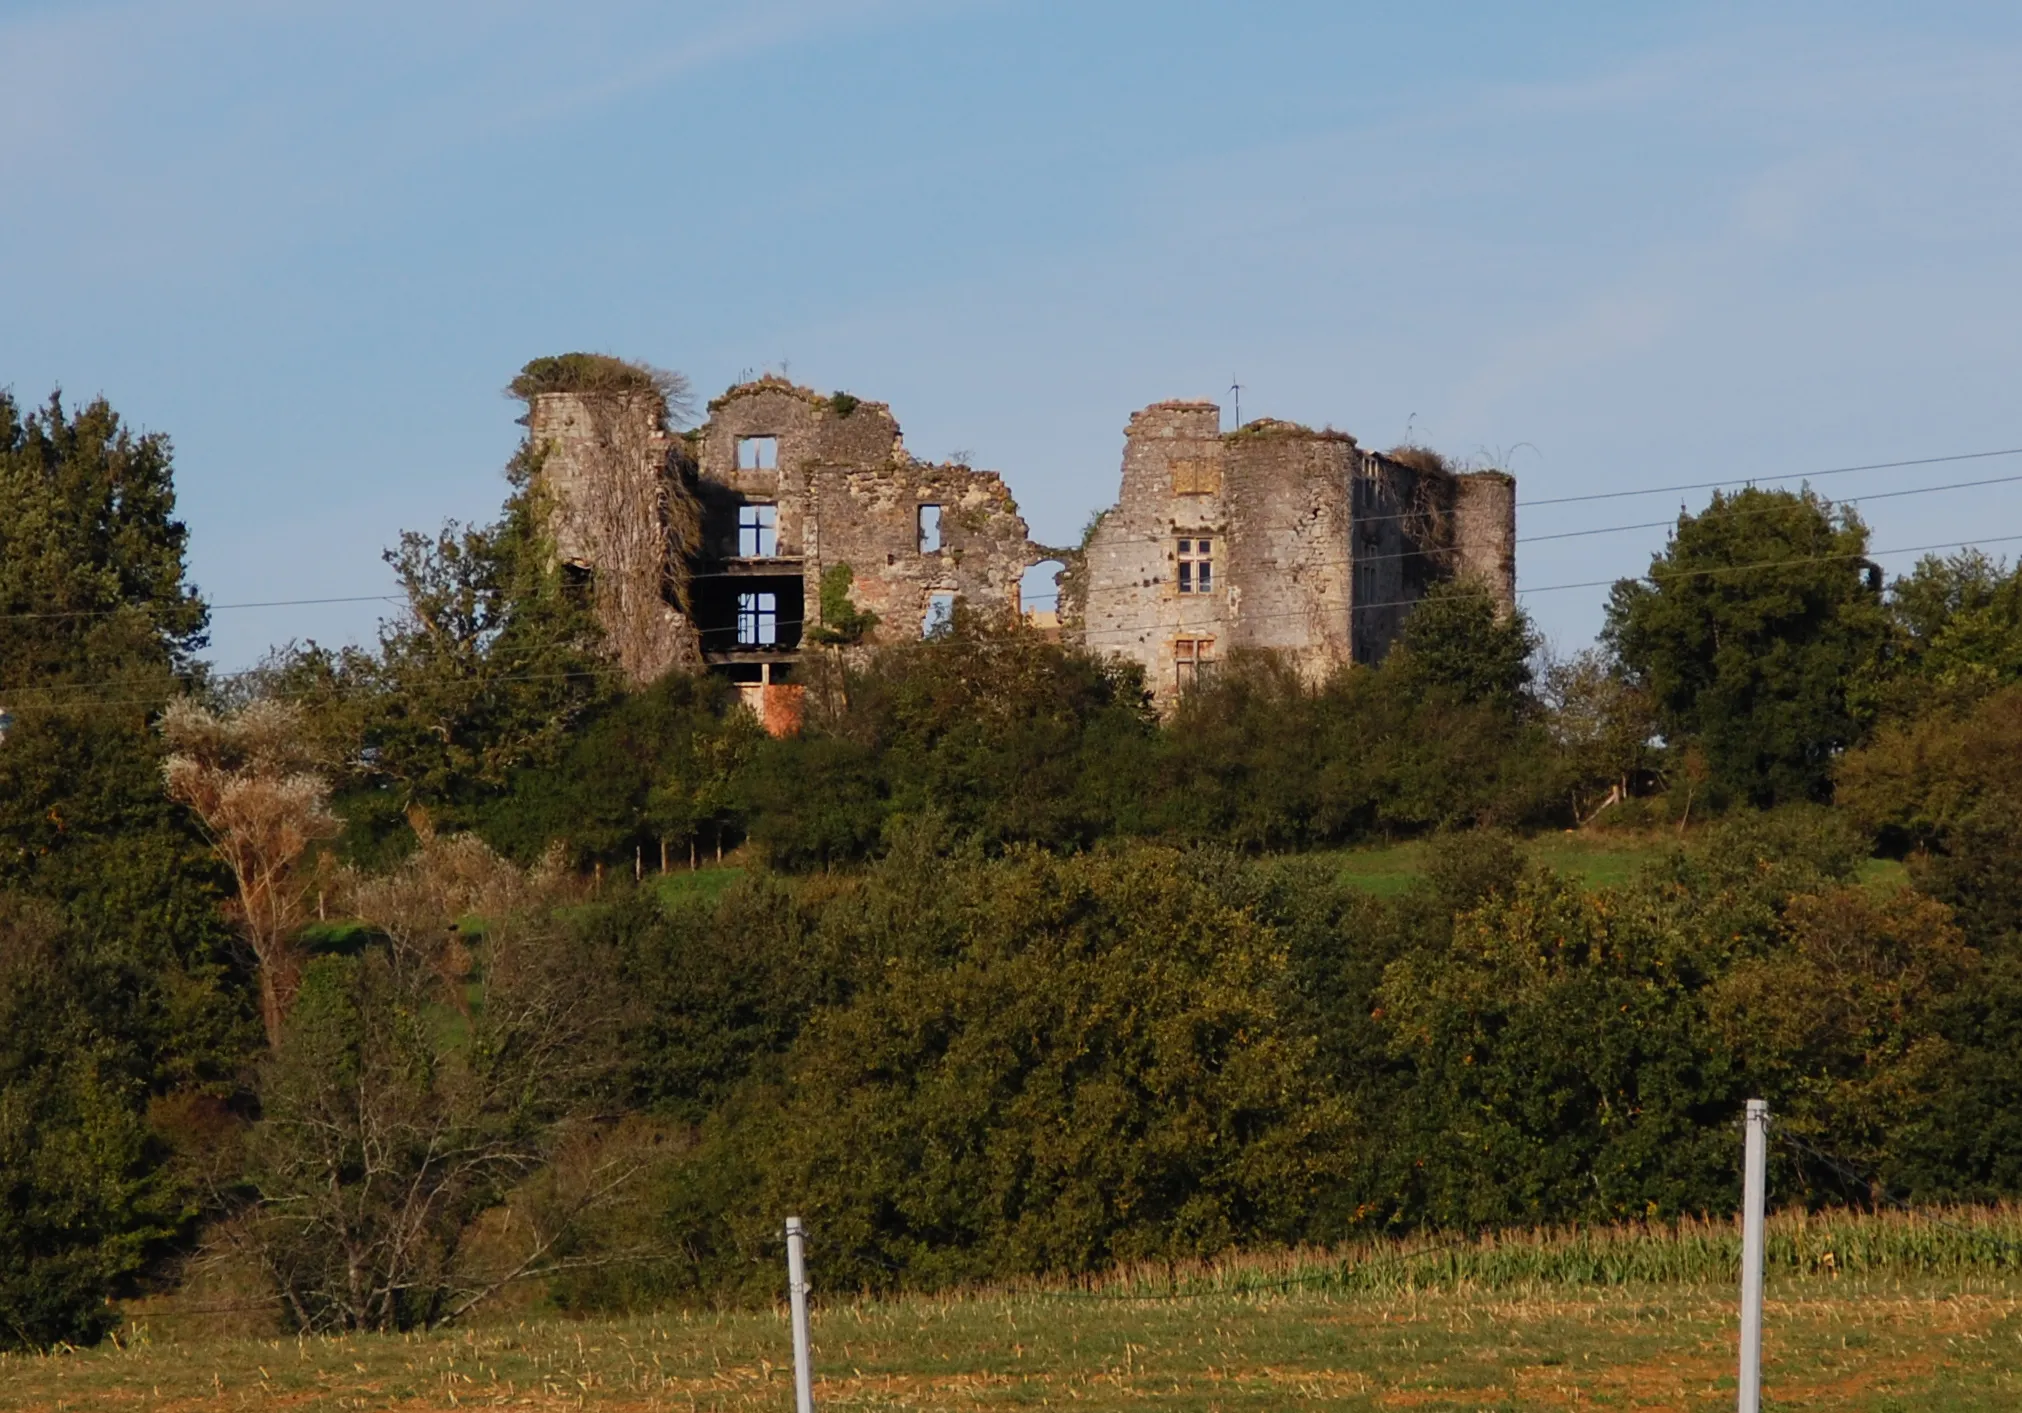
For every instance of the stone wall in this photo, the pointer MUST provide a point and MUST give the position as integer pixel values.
(1485, 531)
(621, 510)
(1318, 549)
(848, 492)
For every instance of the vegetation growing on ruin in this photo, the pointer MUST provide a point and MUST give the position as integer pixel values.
(842, 623)
(1272, 428)
(601, 375)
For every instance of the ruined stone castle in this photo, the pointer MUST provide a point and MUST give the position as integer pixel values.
(790, 519)
(1275, 537)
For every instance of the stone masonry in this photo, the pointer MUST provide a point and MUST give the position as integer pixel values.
(624, 517)
(710, 547)
(736, 523)
(1277, 537)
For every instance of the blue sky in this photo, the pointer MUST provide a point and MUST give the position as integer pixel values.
(1615, 246)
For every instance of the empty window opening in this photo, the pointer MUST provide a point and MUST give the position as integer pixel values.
(940, 614)
(757, 620)
(758, 453)
(930, 529)
(1196, 566)
(1039, 587)
(1193, 661)
(757, 531)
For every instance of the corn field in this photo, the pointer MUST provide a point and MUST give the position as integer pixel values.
(1940, 1242)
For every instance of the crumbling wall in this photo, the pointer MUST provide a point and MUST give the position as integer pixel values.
(1290, 521)
(619, 510)
(1484, 538)
(848, 492)
(1320, 548)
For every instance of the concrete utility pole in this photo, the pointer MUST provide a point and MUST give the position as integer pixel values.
(1754, 1179)
(796, 1291)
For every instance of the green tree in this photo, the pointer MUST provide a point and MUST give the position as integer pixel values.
(492, 662)
(642, 772)
(134, 1004)
(1459, 640)
(1052, 1065)
(1559, 1073)
(1946, 789)
(83, 1179)
(1759, 633)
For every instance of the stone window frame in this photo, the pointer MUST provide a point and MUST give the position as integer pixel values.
(1194, 559)
(1193, 661)
(758, 529)
(762, 449)
(927, 531)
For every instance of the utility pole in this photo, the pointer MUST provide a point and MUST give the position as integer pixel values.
(1237, 389)
(796, 1293)
(1754, 1179)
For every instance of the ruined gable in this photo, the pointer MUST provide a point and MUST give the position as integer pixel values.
(794, 485)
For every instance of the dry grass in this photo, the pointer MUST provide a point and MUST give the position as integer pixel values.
(1906, 1315)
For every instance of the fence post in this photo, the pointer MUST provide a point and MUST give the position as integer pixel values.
(1754, 1179)
(796, 1292)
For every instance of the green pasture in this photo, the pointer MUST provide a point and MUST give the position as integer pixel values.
(1598, 860)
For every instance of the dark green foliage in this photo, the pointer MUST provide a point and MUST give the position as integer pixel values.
(1557, 1073)
(1005, 739)
(815, 802)
(721, 986)
(1459, 641)
(83, 1189)
(658, 766)
(843, 404)
(1759, 635)
(960, 1068)
(493, 663)
(1001, 736)
(126, 992)
(1041, 1065)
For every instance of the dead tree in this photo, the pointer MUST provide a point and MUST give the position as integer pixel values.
(250, 782)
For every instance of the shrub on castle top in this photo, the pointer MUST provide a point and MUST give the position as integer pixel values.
(600, 373)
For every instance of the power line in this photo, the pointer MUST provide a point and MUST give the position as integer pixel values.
(1106, 634)
(1710, 572)
(1592, 583)
(208, 608)
(1766, 510)
(1359, 521)
(1793, 476)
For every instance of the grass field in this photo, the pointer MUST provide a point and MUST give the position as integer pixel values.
(1598, 860)
(1863, 1313)
(680, 884)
